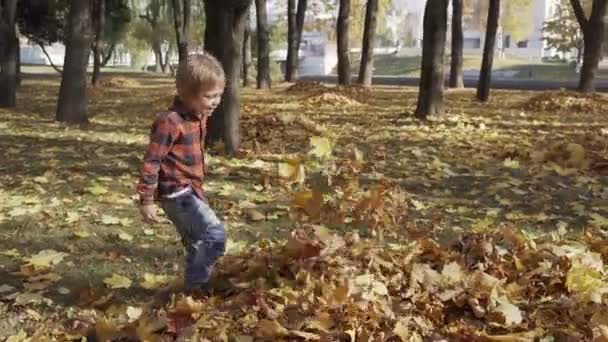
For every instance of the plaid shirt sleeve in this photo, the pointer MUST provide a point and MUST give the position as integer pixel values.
(163, 136)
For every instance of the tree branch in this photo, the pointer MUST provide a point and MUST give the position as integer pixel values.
(107, 57)
(48, 57)
(580, 14)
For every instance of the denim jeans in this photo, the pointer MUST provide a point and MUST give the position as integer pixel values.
(202, 233)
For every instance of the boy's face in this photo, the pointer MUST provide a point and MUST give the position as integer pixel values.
(204, 102)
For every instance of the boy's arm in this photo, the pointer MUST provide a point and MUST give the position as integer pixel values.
(162, 137)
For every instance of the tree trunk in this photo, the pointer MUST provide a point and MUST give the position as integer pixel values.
(158, 56)
(300, 17)
(593, 36)
(72, 104)
(367, 53)
(343, 50)
(227, 21)
(263, 40)
(181, 19)
(485, 75)
(456, 73)
(291, 67)
(430, 95)
(99, 19)
(246, 51)
(9, 50)
(166, 65)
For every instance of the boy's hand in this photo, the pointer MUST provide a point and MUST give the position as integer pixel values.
(148, 212)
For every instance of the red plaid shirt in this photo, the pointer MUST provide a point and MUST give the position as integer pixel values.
(175, 157)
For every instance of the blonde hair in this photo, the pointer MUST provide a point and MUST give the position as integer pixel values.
(201, 71)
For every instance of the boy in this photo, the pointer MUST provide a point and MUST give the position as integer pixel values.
(175, 161)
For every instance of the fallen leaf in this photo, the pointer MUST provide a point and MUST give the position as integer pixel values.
(133, 313)
(45, 259)
(321, 147)
(511, 313)
(117, 282)
(155, 281)
(255, 215)
(271, 329)
(21, 336)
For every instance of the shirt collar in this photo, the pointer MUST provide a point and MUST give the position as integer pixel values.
(179, 107)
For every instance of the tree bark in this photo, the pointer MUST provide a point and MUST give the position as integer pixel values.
(430, 95)
(100, 10)
(225, 27)
(343, 50)
(456, 73)
(246, 51)
(485, 75)
(263, 40)
(593, 36)
(181, 19)
(291, 67)
(72, 104)
(9, 50)
(367, 53)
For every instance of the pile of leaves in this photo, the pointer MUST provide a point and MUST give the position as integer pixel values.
(567, 101)
(331, 98)
(289, 129)
(305, 87)
(498, 286)
(118, 81)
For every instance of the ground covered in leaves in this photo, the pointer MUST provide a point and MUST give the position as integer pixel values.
(348, 219)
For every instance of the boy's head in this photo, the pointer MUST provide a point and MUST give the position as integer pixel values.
(200, 83)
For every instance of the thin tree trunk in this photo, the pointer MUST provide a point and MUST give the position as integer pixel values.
(369, 34)
(72, 104)
(593, 36)
(430, 95)
(263, 40)
(226, 27)
(158, 55)
(106, 58)
(100, 10)
(181, 16)
(485, 75)
(343, 50)
(291, 67)
(246, 51)
(8, 54)
(166, 65)
(300, 18)
(456, 73)
(48, 57)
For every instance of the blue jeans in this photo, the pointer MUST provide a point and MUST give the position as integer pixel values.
(202, 233)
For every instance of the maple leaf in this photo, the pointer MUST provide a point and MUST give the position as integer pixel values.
(271, 329)
(45, 259)
(155, 281)
(321, 147)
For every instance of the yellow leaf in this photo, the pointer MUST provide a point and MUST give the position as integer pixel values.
(133, 313)
(117, 282)
(187, 306)
(11, 253)
(110, 220)
(45, 259)
(586, 282)
(452, 273)
(124, 236)
(97, 189)
(83, 234)
(599, 220)
(21, 336)
(510, 313)
(271, 329)
(292, 170)
(41, 180)
(255, 215)
(401, 329)
(155, 281)
(72, 217)
(511, 164)
(305, 335)
(321, 147)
